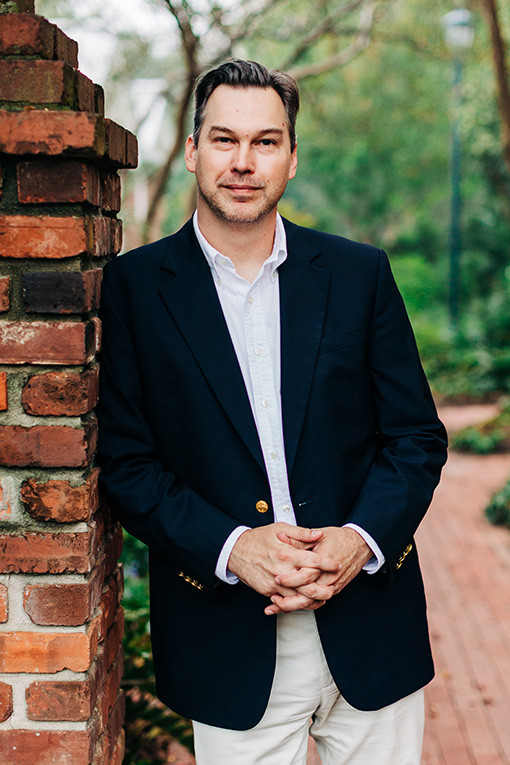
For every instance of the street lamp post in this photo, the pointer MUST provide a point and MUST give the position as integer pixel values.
(458, 31)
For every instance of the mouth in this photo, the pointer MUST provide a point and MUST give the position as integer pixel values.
(237, 187)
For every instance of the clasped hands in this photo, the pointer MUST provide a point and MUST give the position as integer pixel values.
(298, 568)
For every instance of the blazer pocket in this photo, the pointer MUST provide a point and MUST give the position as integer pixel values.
(339, 340)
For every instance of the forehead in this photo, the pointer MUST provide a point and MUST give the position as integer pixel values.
(245, 108)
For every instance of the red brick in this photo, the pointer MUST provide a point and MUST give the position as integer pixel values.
(8, 496)
(99, 100)
(40, 342)
(4, 607)
(58, 181)
(47, 747)
(121, 145)
(42, 236)
(85, 94)
(38, 553)
(107, 236)
(110, 192)
(110, 601)
(3, 391)
(46, 446)
(5, 299)
(37, 82)
(65, 48)
(118, 750)
(52, 133)
(59, 501)
(62, 292)
(60, 701)
(61, 393)
(47, 651)
(26, 35)
(62, 604)
(5, 701)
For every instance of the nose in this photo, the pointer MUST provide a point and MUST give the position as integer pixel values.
(243, 159)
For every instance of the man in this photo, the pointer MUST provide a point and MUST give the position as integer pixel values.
(266, 428)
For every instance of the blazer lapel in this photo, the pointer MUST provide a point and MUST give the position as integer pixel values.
(189, 293)
(303, 296)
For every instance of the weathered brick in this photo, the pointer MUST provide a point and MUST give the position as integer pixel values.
(62, 292)
(19, 6)
(85, 93)
(4, 604)
(52, 133)
(77, 134)
(65, 48)
(26, 35)
(5, 701)
(107, 236)
(118, 750)
(121, 145)
(110, 192)
(63, 604)
(8, 496)
(42, 236)
(61, 393)
(110, 601)
(99, 100)
(39, 553)
(34, 342)
(60, 701)
(5, 298)
(3, 391)
(47, 651)
(46, 445)
(43, 181)
(47, 747)
(34, 82)
(59, 501)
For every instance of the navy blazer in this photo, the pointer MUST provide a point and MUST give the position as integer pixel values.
(182, 464)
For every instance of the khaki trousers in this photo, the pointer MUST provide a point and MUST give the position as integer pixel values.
(303, 691)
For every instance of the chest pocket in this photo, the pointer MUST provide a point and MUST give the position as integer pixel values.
(337, 341)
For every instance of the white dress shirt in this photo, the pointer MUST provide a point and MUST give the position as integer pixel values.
(252, 314)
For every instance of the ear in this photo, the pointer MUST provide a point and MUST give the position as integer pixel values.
(190, 154)
(293, 162)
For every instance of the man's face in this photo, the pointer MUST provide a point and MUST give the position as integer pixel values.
(243, 160)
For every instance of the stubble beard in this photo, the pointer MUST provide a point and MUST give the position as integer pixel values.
(229, 216)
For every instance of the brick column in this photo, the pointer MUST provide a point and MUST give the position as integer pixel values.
(60, 582)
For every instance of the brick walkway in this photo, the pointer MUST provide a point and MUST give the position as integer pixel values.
(466, 566)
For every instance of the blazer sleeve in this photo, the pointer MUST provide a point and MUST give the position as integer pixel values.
(411, 439)
(171, 518)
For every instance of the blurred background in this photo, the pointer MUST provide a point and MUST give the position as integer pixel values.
(404, 142)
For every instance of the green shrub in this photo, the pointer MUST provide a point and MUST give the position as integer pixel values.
(487, 437)
(498, 509)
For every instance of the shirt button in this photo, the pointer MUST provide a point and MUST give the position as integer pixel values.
(250, 300)
(286, 508)
(257, 351)
(274, 455)
(265, 402)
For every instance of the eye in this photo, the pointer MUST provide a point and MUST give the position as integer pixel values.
(222, 139)
(267, 142)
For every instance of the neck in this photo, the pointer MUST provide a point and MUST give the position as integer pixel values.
(247, 245)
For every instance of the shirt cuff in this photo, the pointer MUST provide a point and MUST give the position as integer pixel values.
(221, 570)
(378, 559)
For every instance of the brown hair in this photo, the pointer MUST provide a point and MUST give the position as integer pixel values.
(247, 74)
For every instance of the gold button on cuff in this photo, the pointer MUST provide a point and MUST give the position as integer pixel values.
(262, 506)
(404, 556)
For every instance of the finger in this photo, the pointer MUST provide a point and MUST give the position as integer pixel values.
(300, 534)
(298, 578)
(295, 542)
(317, 591)
(292, 603)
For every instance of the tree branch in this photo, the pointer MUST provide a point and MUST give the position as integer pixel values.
(501, 71)
(342, 57)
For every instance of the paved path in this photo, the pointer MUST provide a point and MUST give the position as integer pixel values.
(466, 567)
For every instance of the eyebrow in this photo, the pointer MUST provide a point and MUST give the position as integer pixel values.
(265, 131)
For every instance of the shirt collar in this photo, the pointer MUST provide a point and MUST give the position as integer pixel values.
(277, 257)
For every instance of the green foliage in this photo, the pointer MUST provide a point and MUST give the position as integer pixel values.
(487, 438)
(498, 509)
(150, 726)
